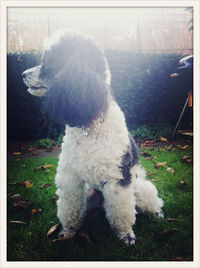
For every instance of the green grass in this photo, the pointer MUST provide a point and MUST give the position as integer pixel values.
(29, 242)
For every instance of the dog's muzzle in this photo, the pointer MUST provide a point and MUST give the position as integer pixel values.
(36, 86)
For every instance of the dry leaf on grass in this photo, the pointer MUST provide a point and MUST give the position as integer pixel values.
(163, 164)
(22, 204)
(26, 184)
(17, 222)
(53, 232)
(48, 166)
(185, 147)
(44, 167)
(176, 259)
(189, 161)
(171, 170)
(35, 211)
(163, 139)
(170, 147)
(45, 185)
(32, 149)
(16, 197)
(172, 219)
(168, 232)
(34, 153)
(17, 153)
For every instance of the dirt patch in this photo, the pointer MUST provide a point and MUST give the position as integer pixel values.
(21, 151)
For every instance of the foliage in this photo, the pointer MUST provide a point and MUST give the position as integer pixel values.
(44, 143)
(152, 132)
(144, 89)
(28, 242)
(140, 82)
(190, 9)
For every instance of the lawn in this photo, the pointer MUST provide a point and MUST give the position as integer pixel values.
(165, 239)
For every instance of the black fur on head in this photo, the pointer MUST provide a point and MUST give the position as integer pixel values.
(74, 68)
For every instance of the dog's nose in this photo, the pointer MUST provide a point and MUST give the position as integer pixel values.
(23, 75)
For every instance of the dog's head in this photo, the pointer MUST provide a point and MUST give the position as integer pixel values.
(73, 79)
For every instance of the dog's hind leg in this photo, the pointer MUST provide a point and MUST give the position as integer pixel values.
(146, 195)
(71, 206)
(119, 205)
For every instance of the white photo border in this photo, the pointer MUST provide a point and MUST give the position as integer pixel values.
(3, 126)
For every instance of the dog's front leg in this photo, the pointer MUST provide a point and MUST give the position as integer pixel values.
(71, 205)
(120, 210)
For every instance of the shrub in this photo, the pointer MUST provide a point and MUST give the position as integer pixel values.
(141, 85)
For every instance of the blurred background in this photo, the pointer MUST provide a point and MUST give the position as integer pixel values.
(143, 47)
(144, 29)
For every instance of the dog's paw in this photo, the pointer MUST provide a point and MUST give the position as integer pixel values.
(160, 214)
(66, 233)
(128, 238)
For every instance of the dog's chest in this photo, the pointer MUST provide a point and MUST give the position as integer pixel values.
(95, 157)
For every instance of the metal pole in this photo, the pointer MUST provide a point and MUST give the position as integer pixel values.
(180, 117)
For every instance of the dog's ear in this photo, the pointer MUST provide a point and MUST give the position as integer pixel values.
(78, 93)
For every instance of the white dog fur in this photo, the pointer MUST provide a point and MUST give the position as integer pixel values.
(94, 155)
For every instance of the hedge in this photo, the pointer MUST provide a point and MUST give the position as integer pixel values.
(141, 84)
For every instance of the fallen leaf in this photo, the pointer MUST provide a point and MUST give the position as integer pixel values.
(48, 165)
(172, 219)
(171, 170)
(148, 158)
(29, 185)
(146, 148)
(163, 164)
(54, 231)
(185, 157)
(34, 153)
(185, 147)
(150, 173)
(161, 149)
(22, 204)
(179, 146)
(86, 236)
(168, 232)
(153, 180)
(176, 259)
(45, 185)
(17, 222)
(189, 161)
(26, 184)
(16, 197)
(169, 148)
(163, 139)
(17, 153)
(32, 149)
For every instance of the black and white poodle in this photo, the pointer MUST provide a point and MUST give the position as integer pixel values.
(97, 151)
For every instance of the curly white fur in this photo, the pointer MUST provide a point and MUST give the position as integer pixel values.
(100, 154)
(94, 157)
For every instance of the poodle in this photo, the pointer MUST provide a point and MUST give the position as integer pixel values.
(98, 152)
